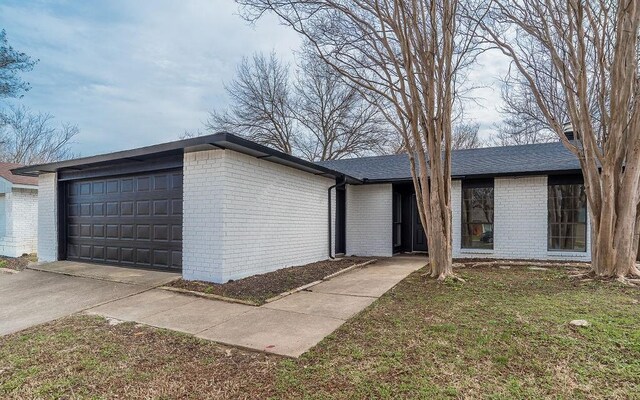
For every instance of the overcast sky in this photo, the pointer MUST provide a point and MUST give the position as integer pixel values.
(134, 73)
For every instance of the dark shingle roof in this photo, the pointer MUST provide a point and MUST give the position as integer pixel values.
(5, 172)
(489, 161)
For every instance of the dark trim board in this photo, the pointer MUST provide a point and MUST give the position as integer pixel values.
(222, 140)
(480, 176)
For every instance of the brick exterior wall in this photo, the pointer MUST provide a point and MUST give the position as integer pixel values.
(245, 216)
(370, 220)
(20, 222)
(520, 222)
(47, 217)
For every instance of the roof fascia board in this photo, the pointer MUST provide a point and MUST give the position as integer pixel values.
(222, 140)
(481, 176)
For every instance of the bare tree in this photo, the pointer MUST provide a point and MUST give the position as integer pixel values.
(316, 115)
(261, 103)
(410, 55)
(336, 119)
(581, 58)
(12, 62)
(32, 138)
(523, 121)
(466, 136)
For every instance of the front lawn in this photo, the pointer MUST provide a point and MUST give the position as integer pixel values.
(504, 334)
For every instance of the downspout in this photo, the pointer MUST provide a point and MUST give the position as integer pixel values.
(344, 182)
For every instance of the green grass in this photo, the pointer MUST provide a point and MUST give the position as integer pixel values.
(502, 335)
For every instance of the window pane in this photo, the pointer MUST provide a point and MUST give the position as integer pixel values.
(567, 223)
(477, 218)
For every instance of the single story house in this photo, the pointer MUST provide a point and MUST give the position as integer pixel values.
(220, 207)
(18, 212)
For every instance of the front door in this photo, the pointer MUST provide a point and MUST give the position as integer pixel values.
(419, 242)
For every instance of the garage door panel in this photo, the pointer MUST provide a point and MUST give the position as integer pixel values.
(131, 220)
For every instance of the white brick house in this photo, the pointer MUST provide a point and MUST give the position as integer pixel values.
(18, 212)
(220, 207)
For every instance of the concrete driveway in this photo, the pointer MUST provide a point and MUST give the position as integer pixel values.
(32, 297)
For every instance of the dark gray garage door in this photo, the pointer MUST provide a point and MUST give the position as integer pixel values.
(130, 220)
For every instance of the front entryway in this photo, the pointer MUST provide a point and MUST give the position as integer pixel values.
(131, 220)
(419, 238)
(408, 233)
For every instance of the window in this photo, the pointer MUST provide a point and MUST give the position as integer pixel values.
(477, 214)
(397, 220)
(567, 204)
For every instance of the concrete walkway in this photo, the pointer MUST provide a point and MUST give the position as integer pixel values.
(289, 326)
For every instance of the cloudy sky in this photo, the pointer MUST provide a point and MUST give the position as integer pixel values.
(133, 73)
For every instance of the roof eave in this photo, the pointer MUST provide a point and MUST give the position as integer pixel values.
(482, 176)
(222, 140)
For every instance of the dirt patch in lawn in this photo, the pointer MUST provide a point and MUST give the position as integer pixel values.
(17, 263)
(258, 288)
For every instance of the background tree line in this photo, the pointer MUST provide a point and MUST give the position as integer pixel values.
(27, 137)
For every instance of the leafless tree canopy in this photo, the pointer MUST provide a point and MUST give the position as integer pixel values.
(336, 119)
(580, 59)
(12, 62)
(409, 55)
(313, 113)
(261, 101)
(466, 136)
(523, 122)
(33, 138)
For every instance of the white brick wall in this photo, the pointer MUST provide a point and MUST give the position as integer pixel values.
(21, 222)
(244, 216)
(370, 220)
(47, 217)
(520, 222)
(202, 235)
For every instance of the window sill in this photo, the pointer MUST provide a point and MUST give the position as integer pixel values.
(476, 251)
(560, 253)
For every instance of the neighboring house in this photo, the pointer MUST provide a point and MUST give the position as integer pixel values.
(18, 212)
(220, 207)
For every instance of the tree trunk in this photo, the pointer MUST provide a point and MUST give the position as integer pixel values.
(614, 229)
(440, 256)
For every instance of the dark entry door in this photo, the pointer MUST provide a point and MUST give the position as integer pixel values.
(419, 237)
(131, 220)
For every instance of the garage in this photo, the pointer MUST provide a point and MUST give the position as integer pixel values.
(131, 220)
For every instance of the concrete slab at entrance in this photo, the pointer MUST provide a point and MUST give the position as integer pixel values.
(196, 316)
(274, 331)
(373, 281)
(134, 276)
(143, 305)
(326, 305)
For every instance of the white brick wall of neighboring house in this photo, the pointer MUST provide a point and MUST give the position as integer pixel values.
(20, 222)
(47, 217)
(370, 220)
(520, 222)
(244, 216)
